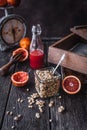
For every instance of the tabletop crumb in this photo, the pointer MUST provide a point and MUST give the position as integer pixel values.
(27, 89)
(37, 115)
(35, 95)
(19, 117)
(11, 113)
(31, 101)
(51, 103)
(13, 127)
(21, 100)
(7, 112)
(61, 109)
(59, 97)
(40, 103)
(30, 106)
(18, 99)
(15, 118)
(13, 107)
(50, 120)
(41, 110)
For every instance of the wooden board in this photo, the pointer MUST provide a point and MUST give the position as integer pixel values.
(5, 87)
(72, 60)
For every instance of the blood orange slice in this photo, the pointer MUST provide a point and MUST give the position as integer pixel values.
(24, 53)
(19, 78)
(71, 84)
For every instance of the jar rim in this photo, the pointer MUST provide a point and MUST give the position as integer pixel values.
(56, 74)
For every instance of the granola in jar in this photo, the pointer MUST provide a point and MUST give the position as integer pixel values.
(46, 83)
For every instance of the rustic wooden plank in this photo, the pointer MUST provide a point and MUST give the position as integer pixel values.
(4, 86)
(29, 121)
(74, 117)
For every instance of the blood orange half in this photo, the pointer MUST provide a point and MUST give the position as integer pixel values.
(19, 78)
(71, 84)
(24, 53)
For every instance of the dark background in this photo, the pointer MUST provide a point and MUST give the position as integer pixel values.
(55, 16)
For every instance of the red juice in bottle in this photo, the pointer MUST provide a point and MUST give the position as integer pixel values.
(37, 59)
(36, 49)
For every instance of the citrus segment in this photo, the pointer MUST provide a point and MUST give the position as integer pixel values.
(24, 53)
(20, 78)
(71, 84)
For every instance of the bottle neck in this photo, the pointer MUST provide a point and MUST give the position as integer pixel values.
(36, 42)
(34, 36)
(33, 42)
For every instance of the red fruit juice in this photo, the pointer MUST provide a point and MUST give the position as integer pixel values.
(36, 59)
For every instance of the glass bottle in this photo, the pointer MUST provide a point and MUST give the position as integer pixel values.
(36, 49)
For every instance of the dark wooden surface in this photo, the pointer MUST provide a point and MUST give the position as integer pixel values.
(73, 118)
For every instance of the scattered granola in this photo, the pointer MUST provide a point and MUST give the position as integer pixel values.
(29, 106)
(51, 104)
(28, 97)
(50, 120)
(40, 103)
(27, 89)
(41, 110)
(13, 107)
(35, 95)
(18, 117)
(60, 97)
(61, 109)
(21, 100)
(31, 101)
(37, 115)
(18, 99)
(13, 127)
(11, 113)
(7, 112)
(15, 118)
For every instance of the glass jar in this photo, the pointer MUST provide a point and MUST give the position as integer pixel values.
(46, 83)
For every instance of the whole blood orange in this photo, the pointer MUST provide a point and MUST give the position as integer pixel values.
(71, 84)
(25, 43)
(20, 78)
(24, 53)
(14, 2)
(3, 3)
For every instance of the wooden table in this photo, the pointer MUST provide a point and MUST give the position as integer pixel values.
(73, 118)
